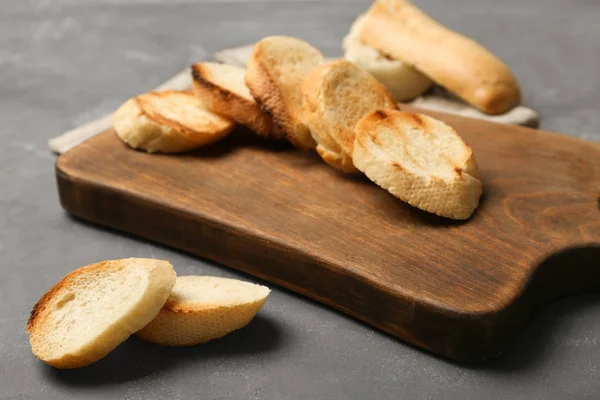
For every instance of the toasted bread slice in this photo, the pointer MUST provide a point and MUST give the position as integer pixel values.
(221, 88)
(420, 160)
(400, 79)
(401, 30)
(274, 75)
(203, 308)
(95, 308)
(169, 122)
(336, 96)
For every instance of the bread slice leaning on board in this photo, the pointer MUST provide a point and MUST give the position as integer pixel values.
(222, 90)
(461, 65)
(169, 122)
(403, 81)
(420, 160)
(274, 74)
(336, 95)
(203, 308)
(95, 308)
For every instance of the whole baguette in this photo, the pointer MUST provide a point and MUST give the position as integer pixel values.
(401, 30)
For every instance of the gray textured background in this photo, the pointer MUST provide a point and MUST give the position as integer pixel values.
(65, 62)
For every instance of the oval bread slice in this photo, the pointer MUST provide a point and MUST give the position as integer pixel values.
(463, 66)
(336, 95)
(95, 308)
(400, 79)
(420, 160)
(203, 308)
(169, 122)
(274, 75)
(221, 88)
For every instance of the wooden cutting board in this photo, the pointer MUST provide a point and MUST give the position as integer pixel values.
(460, 290)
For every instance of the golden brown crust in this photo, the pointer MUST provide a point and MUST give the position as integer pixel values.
(262, 87)
(201, 309)
(336, 95)
(181, 329)
(147, 109)
(227, 103)
(281, 98)
(147, 122)
(398, 28)
(65, 330)
(183, 308)
(420, 160)
(40, 308)
(175, 308)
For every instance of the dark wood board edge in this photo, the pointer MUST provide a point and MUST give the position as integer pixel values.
(458, 336)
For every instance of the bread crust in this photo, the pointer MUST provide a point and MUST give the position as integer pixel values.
(401, 30)
(274, 75)
(336, 95)
(183, 323)
(143, 125)
(227, 102)
(161, 278)
(420, 160)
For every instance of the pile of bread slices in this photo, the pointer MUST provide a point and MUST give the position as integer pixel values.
(95, 308)
(344, 110)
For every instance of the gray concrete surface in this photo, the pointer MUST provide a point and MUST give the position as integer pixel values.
(65, 62)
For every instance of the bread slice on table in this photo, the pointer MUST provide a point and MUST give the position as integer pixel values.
(169, 122)
(420, 160)
(274, 75)
(400, 79)
(203, 308)
(336, 95)
(95, 308)
(401, 30)
(221, 88)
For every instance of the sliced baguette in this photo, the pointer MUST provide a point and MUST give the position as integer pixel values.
(203, 308)
(274, 75)
(336, 95)
(169, 121)
(420, 160)
(95, 308)
(401, 30)
(221, 88)
(400, 79)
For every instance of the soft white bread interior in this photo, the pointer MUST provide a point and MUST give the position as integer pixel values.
(403, 81)
(221, 88)
(95, 308)
(203, 308)
(401, 30)
(169, 121)
(420, 160)
(336, 95)
(274, 75)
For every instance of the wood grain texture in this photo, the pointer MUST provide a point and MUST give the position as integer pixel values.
(460, 290)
